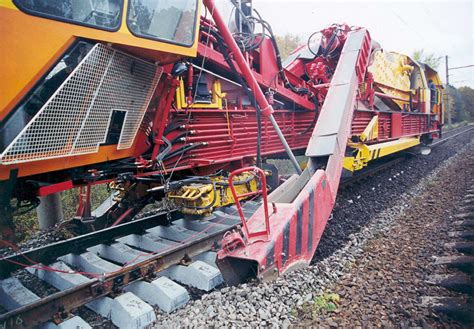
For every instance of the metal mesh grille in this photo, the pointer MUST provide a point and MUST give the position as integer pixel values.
(76, 119)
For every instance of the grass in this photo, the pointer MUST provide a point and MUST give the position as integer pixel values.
(321, 304)
(455, 125)
(326, 302)
(27, 224)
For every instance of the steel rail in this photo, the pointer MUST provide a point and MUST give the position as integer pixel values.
(445, 139)
(57, 304)
(48, 253)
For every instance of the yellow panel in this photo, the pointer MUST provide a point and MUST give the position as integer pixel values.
(391, 69)
(371, 132)
(367, 153)
(391, 74)
(217, 96)
(31, 45)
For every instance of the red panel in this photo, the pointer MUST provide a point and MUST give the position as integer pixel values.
(360, 120)
(267, 59)
(305, 222)
(292, 242)
(396, 125)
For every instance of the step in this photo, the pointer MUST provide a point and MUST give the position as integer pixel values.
(467, 201)
(208, 257)
(125, 311)
(201, 226)
(248, 210)
(60, 280)
(129, 311)
(102, 306)
(465, 215)
(221, 217)
(466, 208)
(464, 223)
(162, 292)
(198, 275)
(90, 262)
(13, 294)
(172, 232)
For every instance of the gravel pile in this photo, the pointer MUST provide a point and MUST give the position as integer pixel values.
(358, 203)
(356, 221)
(39, 239)
(386, 285)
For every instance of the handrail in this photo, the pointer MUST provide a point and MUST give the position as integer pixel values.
(254, 170)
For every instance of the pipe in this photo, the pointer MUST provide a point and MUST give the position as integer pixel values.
(285, 145)
(266, 109)
(239, 58)
(49, 211)
(215, 74)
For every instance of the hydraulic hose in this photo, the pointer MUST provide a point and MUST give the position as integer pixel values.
(247, 91)
(266, 108)
(315, 118)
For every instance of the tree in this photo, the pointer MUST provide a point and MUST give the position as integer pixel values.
(456, 105)
(431, 59)
(287, 44)
(467, 95)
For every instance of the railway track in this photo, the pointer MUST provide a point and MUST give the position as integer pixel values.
(117, 258)
(130, 264)
(460, 264)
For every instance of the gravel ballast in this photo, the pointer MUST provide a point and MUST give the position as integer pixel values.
(281, 302)
(388, 280)
(365, 213)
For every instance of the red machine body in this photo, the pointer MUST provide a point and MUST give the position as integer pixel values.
(229, 108)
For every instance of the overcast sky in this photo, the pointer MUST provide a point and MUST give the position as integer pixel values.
(440, 27)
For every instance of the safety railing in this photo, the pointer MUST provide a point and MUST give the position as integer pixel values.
(263, 234)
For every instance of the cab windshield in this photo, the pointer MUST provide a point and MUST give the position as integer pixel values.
(166, 20)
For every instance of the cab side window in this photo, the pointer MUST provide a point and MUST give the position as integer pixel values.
(105, 14)
(165, 20)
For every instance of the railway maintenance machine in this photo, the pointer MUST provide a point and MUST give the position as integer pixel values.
(183, 102)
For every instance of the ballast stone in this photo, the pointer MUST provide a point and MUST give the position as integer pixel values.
(13, 294)
(199, 275)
